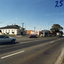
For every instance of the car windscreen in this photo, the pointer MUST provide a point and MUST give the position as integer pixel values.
(1, 36)
(6, 36)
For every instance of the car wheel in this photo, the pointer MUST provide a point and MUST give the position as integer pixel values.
(13, 41)
(0, 43)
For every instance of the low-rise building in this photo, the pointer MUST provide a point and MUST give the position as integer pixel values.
(35, 32)
(44, 32)
(11, 29)
(29, 31)
(32, 32)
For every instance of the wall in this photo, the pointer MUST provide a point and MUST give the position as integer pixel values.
(28, 31)
(10, 31)
(18, 32)
(35, 32)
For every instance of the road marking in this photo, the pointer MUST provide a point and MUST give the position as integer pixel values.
(51, 41)
(12, 54)
(59, 39)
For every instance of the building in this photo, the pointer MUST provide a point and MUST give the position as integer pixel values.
(11, 29)
(35, 32)
(29, 31)
(32, 32)
(44, 32)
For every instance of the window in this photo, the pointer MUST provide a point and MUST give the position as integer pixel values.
(3, 31)
(8, 31)
(12, 30)
(1, 36)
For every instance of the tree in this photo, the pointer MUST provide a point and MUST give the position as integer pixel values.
(56, 28)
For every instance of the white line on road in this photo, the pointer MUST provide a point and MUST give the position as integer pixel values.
(59, 39)
(51, 41)
(12, 54)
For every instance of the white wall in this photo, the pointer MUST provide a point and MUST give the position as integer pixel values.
(16, 31)
(35, 32)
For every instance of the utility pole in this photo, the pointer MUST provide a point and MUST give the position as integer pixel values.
(34, 29)
(22, 25)
(22, 28)
(25, 27)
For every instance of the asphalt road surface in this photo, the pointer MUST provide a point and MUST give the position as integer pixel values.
(31, 51)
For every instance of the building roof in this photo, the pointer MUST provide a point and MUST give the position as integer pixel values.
(11, 27)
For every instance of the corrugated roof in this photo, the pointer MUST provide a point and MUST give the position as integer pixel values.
(11, 26)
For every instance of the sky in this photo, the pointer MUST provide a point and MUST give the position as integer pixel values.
(41, 14)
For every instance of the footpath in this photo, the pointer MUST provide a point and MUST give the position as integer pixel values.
(60, 59)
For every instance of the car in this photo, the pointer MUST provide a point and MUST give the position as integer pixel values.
(4, 38)
(63, 35)
(32, 36)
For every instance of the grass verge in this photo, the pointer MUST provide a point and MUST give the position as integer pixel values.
(10, 35)
(63, 61)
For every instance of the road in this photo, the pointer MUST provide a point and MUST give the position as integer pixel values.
(31, 51)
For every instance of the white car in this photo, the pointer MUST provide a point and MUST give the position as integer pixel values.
(4, 38)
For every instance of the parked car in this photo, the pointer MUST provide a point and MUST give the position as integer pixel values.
(4, 38)
(32, 36)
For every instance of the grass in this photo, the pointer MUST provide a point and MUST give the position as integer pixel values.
(38, 36)
(46, 36)
(25, 35)
(28, 35)
(63, 60)
(10, 35)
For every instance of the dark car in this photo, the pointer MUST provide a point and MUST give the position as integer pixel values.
(32, 36)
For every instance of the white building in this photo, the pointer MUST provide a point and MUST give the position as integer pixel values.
(44, 32)
(35, 32)
(12, 29)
